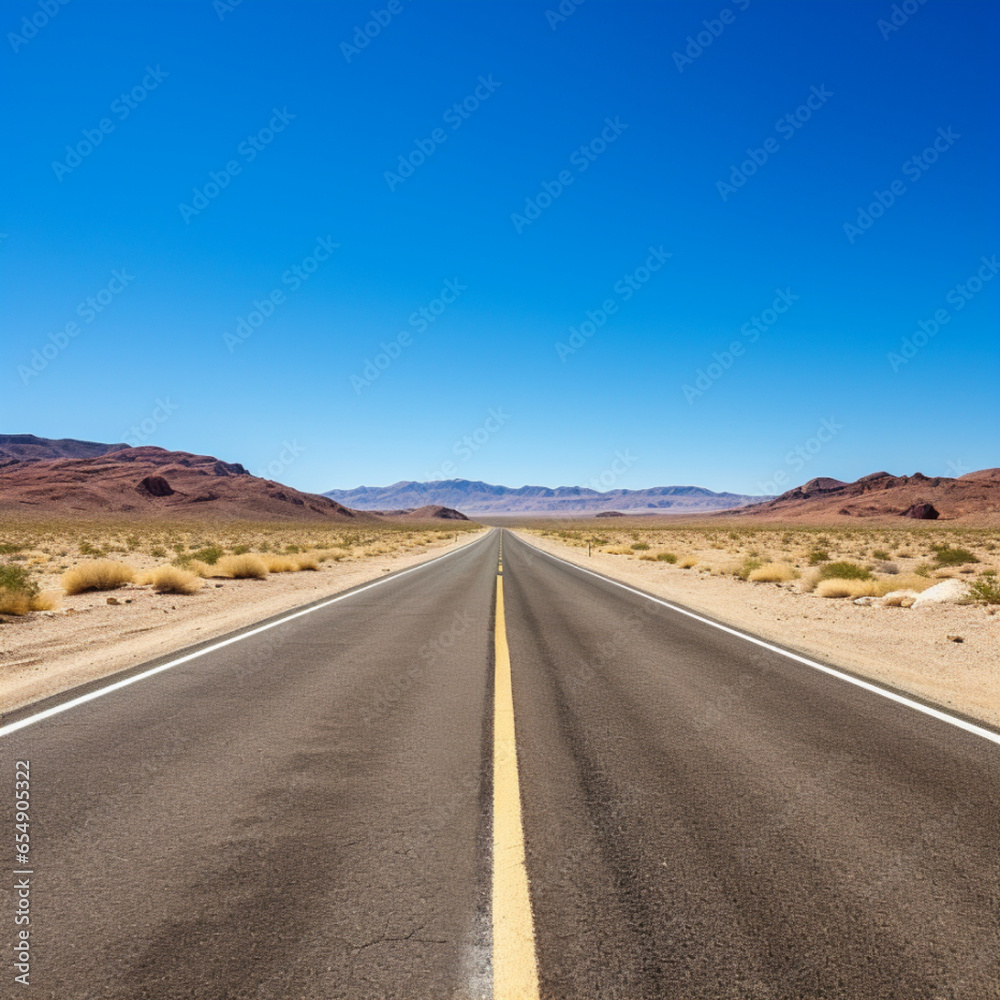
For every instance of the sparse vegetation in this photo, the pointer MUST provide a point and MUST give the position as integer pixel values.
(945, 555)
(843, 561)
(985, 588)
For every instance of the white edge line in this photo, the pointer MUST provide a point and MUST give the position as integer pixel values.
(82, 699)
(936, 713)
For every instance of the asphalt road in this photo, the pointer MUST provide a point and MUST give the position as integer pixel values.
(308, 812)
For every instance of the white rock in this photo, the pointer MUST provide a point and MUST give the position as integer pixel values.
(945, 592)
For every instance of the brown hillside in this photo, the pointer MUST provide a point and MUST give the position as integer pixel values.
(152, 482)
(972, 499)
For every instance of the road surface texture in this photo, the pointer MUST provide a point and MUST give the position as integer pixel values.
(308, 812)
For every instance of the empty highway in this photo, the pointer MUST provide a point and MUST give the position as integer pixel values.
(500, 775)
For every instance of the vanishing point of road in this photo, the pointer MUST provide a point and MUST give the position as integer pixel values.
(498, 774)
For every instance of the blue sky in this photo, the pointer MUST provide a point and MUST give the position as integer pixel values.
(187, 166)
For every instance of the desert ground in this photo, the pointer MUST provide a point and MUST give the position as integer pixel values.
(171, 585)
(848, 596)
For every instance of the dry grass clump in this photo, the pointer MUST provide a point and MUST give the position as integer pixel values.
(19, 592)
(100, 574)
(279, 564)
(774, 572)
(47, 600)
(847, 588)
(307, 561)
(244, 567)
(687, 562)
(905, 581)
(172, 580)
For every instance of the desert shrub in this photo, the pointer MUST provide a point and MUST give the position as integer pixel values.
(945, 555)
(240, 550)
(173, 580)
(307, 561)
(210, 554)
(158, 552)
(844, 571)
(773, 573)
(86, 549)
(245, 567)
(818, 556)
(17, 590)
(835, 587)
(985, 588)
(745, 568)
(667, 557)
(889, 568)
(640, 546)
(881, 554)
(102, 574)
(9, 548)
(687, 562)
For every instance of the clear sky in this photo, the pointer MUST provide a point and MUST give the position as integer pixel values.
(438, 194)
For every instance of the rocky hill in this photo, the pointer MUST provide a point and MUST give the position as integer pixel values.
(971, 499)
(152, 482)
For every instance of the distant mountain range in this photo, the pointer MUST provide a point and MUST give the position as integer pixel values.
(474, 498)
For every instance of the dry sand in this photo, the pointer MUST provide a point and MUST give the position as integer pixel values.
(907, 648)
(49, 652)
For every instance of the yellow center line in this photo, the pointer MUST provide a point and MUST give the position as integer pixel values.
(515, 970)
